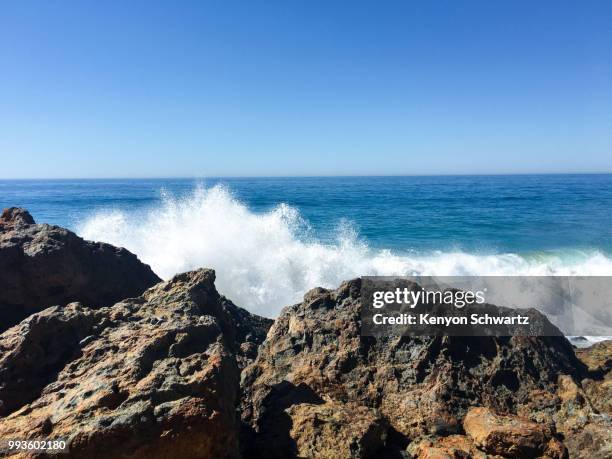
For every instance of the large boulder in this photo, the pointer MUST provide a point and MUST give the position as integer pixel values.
(45, 265)
(421, 386)
(150, 377)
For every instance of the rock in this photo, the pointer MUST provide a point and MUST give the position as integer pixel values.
(15, 217)
(598, 387)
(570, 393)
(150, 377)
(587, 432)
(421, 386)
(597, 357)
(541, 406)
(332, 430)
(555, 449)
(599, 393)
(45, 265)
(159, 376)
(250, 331)
(511, 436)
(33, 353)
(451, 447)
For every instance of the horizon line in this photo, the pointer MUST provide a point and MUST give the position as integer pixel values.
(194, 177)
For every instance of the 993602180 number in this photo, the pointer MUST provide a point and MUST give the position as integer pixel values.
(49, 446)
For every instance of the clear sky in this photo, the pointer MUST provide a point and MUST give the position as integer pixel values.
(261, 87)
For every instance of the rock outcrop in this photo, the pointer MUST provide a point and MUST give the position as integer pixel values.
(422, 387)
(180, 371)
(45, 265)
(151, 377)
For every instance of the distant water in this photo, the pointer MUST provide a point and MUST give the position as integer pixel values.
(271, 239)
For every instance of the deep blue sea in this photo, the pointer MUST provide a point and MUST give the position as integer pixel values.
(270, 239)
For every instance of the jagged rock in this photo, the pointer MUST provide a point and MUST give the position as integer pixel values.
(45, 265)
(157, 376)
(33, 353)
(451, 447)
(587, 432)
(511, 436)
(150, 377)
(597, 357)
(14, 218)
(250, 331)
(598, 387)
(599, 392)
(541, 406)
(421, 386)
(331, 430)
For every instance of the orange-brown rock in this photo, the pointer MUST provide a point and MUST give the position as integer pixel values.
(150, 377)
(587, 432)
(421, 386)
(334, 430)
(598, 387)
(511, 436)
(597, 357)
(451, 447)
(599, 393)
(157, 376)
(45, 265)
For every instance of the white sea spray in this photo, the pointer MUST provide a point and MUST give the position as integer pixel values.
(265, 261)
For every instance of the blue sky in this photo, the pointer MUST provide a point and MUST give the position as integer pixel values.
(224, 88)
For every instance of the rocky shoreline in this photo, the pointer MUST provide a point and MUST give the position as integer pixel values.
(96, 350)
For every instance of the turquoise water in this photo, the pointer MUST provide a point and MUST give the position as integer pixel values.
(271, 239)
(487, 214)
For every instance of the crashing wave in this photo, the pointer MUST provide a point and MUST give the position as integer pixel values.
(265, 261)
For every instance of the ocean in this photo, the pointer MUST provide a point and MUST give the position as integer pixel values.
(272, 239)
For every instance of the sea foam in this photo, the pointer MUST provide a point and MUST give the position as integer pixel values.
(265, 261)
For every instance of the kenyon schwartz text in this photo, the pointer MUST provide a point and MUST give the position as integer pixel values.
(427, 319)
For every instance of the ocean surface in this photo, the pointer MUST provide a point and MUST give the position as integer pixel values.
(272, 239)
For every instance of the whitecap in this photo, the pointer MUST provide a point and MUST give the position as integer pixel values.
(265, 261)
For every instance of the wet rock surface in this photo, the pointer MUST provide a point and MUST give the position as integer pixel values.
(45, 265)
(150, 377)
